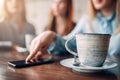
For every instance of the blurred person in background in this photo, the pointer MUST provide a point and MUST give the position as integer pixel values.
(61, 17)
(103, 18)
(13, 23)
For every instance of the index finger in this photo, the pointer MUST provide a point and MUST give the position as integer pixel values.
(33, 53)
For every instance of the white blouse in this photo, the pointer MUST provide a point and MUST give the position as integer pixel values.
(10, 32)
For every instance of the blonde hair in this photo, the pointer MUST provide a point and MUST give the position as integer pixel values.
(92, 13)
(118, 16)
(5, 14)
(69, 15)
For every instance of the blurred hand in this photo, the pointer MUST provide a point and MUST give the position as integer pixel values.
(39, 45)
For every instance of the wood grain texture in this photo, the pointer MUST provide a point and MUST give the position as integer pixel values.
(52, 71)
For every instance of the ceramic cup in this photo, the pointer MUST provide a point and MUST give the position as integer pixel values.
(28, 40)
(92, 49)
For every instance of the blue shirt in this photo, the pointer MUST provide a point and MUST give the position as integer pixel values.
(98, 26)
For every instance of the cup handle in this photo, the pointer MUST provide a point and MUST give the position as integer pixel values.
(67, 48)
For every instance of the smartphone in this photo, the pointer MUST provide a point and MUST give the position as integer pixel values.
(23, 64)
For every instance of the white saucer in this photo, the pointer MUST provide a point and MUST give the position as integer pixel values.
(6, 44)
(21, 49)
(69, 63)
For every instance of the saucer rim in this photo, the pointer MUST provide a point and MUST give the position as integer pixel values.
(85, 71)
(97, 68)
(113, 64)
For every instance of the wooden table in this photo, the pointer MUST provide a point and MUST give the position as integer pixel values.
(52, 71)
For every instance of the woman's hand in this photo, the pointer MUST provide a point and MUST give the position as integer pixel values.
(39, 45)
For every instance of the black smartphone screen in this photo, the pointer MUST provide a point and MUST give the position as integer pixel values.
(22, 63)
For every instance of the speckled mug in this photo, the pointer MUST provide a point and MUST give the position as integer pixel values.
(92, 49)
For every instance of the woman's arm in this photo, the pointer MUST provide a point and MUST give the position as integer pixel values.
(41, 43)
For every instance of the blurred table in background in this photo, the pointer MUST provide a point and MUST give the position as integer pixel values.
(53, 71)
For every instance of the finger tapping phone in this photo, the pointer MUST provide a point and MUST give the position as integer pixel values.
(22, 63)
